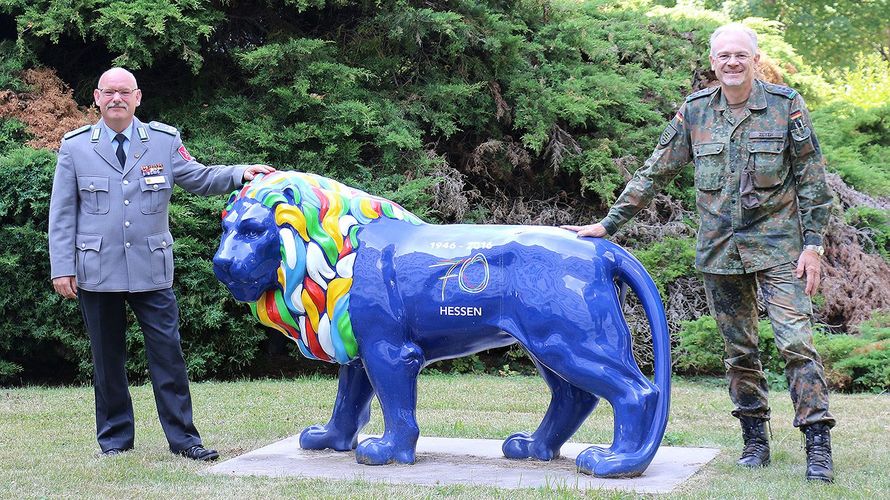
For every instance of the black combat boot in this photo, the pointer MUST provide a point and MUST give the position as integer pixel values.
(819, 464)
(756, 451)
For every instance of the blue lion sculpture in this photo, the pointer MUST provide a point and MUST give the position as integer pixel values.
(357, 280)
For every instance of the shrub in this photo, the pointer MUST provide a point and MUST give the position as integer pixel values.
(667, 260)
(856, 143)
(876, 223)
(852, 362)
(868, 367)
(701, 350)
(42, 336)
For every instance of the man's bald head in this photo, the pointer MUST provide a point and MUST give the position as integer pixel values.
(117, 97)
(117, 74)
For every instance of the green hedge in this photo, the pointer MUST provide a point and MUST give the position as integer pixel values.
(378, 95)
(852, 362)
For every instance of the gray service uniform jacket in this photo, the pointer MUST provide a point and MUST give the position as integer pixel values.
(109, 226)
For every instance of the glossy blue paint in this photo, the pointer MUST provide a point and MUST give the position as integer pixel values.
(422, 293)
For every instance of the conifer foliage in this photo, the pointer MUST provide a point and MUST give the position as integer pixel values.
(522, 111)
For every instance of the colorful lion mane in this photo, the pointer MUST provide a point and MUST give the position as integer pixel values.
(318, 220)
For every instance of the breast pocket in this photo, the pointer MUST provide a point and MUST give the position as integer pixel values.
(769, 164)
(87, 260)
(93, 194)
(155, 196)
(709, 165)
(161, 247)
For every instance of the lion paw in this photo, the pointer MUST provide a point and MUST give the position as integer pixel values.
(319, 437)
(380, 451)
(521, 445)
(601, 462)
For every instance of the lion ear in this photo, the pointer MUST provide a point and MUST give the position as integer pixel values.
(292, 195)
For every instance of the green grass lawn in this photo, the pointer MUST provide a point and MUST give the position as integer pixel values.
(48, 448)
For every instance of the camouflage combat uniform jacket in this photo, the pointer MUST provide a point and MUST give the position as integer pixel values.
(760, 179)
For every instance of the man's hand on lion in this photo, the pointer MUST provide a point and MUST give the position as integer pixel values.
(252, 171)
(810, 263)
(66, 286)
(593, 230)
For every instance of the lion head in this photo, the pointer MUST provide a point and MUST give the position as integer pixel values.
(249, 254)
(288, 247)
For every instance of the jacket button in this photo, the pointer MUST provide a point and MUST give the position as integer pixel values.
(83, 245)
(127, 224)
(126, 182)
(126, 202)
(164, 244)
(155, 187)
(92, 187)
(128, 244)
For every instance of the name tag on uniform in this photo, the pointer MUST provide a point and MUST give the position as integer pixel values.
(774, 134)
(155, 179)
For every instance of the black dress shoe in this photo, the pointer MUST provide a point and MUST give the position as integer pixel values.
(112, 452)
(198, 452)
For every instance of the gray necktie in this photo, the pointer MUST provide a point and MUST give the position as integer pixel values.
(121, 156)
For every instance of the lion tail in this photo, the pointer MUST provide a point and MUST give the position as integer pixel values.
(630, 271)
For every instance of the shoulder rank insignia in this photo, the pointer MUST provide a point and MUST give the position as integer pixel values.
(77, 131)
(162, 127)
(780, 90)
(701, 93)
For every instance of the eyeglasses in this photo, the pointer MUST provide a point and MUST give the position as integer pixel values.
(741, 57)
(124, 93)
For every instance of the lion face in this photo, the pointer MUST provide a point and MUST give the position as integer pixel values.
(249, 252)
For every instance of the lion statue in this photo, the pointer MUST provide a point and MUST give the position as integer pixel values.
(357, 280)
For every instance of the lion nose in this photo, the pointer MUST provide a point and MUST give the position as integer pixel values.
(222, 267)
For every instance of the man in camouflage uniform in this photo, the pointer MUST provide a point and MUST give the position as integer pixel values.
(763, 202)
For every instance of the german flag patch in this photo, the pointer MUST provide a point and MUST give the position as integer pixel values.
(795, 115)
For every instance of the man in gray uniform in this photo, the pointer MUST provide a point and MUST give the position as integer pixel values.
(110, 245)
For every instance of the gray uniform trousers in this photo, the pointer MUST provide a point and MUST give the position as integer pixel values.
(157, 312)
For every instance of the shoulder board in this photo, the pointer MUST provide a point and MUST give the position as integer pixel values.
(702, 93)
(163, 127)
(780, 90)
(77, 131)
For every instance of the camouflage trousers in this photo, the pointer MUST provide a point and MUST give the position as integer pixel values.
(733, 302)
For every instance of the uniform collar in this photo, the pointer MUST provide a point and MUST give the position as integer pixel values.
(128, 132)
(757, 99)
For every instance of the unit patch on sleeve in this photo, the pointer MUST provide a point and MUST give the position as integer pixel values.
(667, 136)
(185, 154)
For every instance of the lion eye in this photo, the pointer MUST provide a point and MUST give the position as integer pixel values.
(251, 230)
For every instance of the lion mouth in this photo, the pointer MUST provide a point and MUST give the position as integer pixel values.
(248, 292)
(245, 290)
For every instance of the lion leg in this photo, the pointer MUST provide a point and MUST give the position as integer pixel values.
(393, 371)
(610, 373)
(352, 410)
(569, 407)
(634, 401)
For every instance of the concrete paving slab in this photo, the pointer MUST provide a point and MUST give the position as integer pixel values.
(442, 461)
